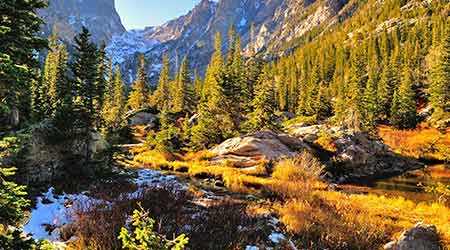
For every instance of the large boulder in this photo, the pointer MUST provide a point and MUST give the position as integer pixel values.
(420, 237)
(144, 119)
(356, 156)
(307, 133)
(249, 149)
(48, 155)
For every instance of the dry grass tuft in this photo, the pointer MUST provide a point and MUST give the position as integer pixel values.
(304, 167)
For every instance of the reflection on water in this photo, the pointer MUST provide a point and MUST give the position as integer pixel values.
(409, 185)
(413, 180)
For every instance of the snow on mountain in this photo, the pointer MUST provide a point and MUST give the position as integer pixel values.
(275, 23)
(121, 47)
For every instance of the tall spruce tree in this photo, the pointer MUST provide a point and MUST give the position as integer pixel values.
(85, 76)
(210, 85)
(198, 87)
(54, 90)
(119, 100)
(214, 124)
(440, 83)
(184, 97)
(369, 104)
(19, 26)
(403, 113)
(385, 89)
(161, 96)
(264, 104)
(100, 84)
(48, 85)
(140, 93)
(355, 89)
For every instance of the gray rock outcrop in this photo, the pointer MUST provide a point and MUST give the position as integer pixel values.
(357, 156)
(99, 16)
(47, 156)
(247, 150)
(145, 119)
(420, 237)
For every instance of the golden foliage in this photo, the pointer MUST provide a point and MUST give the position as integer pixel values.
(423, 142)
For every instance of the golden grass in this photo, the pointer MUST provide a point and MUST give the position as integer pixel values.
(363, 221)
(302, 168)
(313, 214)
(423, 142)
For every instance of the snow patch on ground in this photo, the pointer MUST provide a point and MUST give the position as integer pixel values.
(276, 237)
(52, 210)
(55, 211)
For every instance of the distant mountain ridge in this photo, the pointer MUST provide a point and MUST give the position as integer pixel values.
(275, 23)
(100, 16)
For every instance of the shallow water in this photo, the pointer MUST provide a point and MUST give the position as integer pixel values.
(409, 185)
(414, 180)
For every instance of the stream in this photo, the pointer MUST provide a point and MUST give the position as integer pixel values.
(54, 210)
(410, 184)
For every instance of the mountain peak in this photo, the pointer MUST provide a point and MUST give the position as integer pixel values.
(99, 16)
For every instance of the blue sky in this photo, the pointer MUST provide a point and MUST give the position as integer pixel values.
(138, 14)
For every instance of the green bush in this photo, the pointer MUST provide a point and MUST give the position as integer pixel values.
(143, 237)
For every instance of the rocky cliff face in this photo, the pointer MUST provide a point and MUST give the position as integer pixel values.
(275, 23)
(99, 16)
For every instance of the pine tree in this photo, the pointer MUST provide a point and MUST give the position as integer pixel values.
(264, 104)
(403, 113)
(231, 44)
(54, 91)
(101, 83)
(19, 41)
(214, 124)
(282, 88)
(440, 84)
(385, 90)
(161, 97)
(139, 95)
(85, 74)
(48, 86)
(119, 100)
(210, 85)
(184, 98)
(254, 67)
(64, 111)
(323, 103)
(370, 108)
(313, 92)
(356, 86)
(198, 87)
(13, 201)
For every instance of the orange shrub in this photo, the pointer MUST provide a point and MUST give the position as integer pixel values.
(423, 142)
